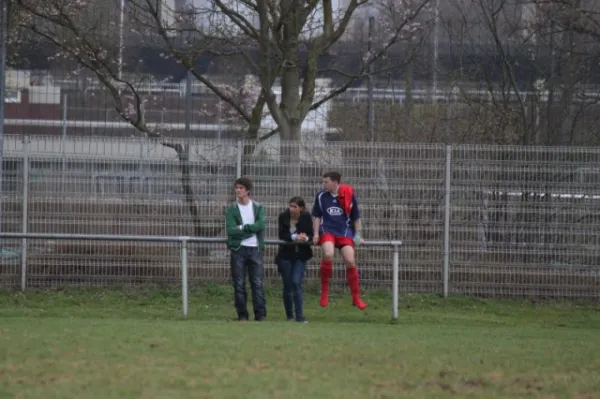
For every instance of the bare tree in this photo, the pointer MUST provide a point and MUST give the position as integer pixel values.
(534, 66)
(570, 30)
(272, 40)
(402, 58)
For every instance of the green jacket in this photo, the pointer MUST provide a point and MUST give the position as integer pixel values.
(233, 219)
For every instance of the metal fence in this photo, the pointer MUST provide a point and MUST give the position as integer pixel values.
(183, 258)
(473, 219)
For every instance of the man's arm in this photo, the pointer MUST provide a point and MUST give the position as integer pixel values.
(355, 217)
(316, 226)
(260, 223)
(317, 214)
(357, 226)
(232, 229)
(355, 212)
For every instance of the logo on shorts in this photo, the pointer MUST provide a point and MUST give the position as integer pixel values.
(335, 211)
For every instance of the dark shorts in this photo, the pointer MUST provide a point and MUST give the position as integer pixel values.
(338, 241)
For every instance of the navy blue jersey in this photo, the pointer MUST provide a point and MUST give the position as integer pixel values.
(333, 218)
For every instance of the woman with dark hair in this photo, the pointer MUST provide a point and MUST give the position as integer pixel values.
(295, 226)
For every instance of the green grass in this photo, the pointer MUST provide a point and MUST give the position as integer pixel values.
(133, 344)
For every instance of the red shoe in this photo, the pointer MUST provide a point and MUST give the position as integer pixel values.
(353, 282)
(324, 299)
(359, 304)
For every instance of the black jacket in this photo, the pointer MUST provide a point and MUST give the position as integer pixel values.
(298, 251)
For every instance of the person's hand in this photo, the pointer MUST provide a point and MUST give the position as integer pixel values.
(301, 237)
(316, 239)
(358, 240)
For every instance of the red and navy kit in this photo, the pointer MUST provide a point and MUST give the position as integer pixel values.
(338, 214)
(336, 223)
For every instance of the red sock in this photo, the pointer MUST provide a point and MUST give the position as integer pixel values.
(326, 271)
(354, 284)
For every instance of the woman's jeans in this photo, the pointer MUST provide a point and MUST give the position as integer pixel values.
(292, 273)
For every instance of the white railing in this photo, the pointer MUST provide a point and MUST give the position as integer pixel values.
(184, 240)
(358, 93)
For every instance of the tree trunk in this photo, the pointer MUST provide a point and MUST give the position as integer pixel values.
(183, 153)
(247, 155)
(290, 160)
(289, 126)
(290, 76)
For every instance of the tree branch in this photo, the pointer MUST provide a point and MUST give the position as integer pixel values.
(327, 42)
(186, 62)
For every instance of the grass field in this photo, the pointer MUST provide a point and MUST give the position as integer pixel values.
(133, 344)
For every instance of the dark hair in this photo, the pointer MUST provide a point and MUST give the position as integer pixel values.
(244, 181)
(334, 176)
(298, 201)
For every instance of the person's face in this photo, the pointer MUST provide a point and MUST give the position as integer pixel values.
(295, 209)
(241, 192)
(329, 185)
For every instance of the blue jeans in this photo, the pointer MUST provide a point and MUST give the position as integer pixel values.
(292, 273)
(248, 258)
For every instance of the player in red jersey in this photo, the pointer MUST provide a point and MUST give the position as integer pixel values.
(337, 225)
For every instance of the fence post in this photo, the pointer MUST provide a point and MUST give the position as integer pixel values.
(25, 211)
(395, 281)
(447, 219)
(184, 278)
(239, 155)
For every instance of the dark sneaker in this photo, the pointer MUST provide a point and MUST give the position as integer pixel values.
(260, 318)
(301, 320)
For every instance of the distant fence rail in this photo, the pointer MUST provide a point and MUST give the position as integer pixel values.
(503, 221)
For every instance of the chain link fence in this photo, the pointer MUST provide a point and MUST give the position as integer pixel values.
(522, 221)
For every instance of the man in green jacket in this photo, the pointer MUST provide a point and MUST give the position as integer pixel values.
(245, 222)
